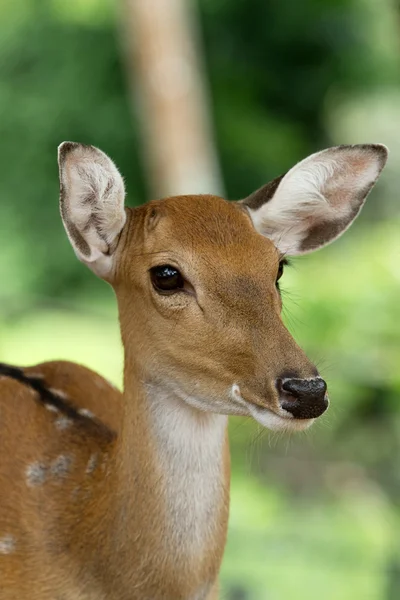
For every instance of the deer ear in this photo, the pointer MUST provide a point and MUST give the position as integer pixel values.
(91, 204)
(318, 199)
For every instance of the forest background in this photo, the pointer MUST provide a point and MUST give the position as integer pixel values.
(315, 515)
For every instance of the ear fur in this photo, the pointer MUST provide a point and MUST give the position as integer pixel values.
(318, 199)
(91, 204)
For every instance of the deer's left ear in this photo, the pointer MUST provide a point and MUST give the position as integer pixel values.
(318, 199)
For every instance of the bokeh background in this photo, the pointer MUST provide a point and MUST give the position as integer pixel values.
(314, 515)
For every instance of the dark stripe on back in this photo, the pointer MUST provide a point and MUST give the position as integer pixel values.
(48, 397)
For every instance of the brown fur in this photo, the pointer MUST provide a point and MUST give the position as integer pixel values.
(107, 533)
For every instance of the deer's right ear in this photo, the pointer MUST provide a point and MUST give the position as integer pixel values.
(92, 204)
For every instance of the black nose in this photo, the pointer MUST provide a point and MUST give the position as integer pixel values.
(303, 398)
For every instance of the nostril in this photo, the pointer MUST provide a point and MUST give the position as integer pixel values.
(286, 389)
(291, 386)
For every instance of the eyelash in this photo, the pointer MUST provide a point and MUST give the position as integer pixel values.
(282, 263)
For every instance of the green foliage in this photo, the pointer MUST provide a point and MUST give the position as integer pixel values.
(280, 547)
(58, 80)
(274, 65)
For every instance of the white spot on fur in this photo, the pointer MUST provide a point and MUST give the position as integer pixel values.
(62, 423)
(85, 412)
(51, 408)
(60, 393)
(7, 544)
(36, 474)
(92, 463)
(61, 466)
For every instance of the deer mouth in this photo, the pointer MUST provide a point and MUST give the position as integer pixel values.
(278, 419)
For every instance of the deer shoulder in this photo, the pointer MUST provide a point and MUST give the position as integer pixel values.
(58, 423)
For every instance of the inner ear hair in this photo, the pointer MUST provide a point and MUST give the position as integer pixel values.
(318, 199)
(91, 204)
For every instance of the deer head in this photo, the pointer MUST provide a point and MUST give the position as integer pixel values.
(196, 277)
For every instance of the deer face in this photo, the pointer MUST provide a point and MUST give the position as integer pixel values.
(196, 277)
(204, 285)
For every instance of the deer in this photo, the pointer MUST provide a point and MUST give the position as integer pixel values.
(125, 495)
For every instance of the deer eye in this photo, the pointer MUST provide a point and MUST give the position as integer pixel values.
(281, 267)
(280, 270)
(166, 279)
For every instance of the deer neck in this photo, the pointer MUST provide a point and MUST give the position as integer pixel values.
(169, 490)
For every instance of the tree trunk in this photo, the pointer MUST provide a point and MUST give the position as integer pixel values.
(166, 79)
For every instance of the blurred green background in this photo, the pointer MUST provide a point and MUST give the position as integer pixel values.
(314, 515)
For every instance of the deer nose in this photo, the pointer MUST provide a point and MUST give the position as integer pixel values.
(303, 398)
